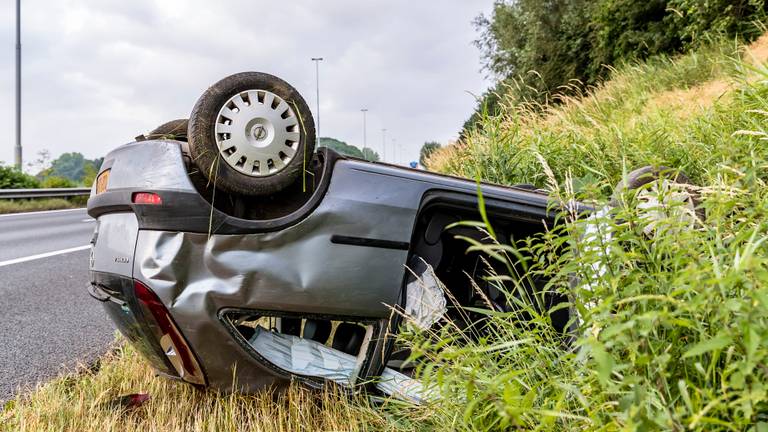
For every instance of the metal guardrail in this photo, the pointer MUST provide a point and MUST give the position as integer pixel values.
(43, 193)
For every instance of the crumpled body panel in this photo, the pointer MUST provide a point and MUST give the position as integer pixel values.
(297, 269)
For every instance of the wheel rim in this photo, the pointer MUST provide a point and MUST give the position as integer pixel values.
(257, 133)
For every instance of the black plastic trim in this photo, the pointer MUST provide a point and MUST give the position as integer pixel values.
(369, 242)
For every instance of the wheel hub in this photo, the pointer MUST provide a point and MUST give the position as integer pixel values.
(257, 133)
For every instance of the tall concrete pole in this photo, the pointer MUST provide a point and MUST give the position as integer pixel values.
(17, 152)
(317, 61)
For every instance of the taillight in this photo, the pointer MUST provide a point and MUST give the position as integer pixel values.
(173, 343)
(148, 198)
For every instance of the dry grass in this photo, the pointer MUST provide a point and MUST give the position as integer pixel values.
(19, 206)
(82, 402)
(757, 51)
(686, 103)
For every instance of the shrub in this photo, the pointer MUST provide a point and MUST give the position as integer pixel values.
(57, 182)
(11, 178)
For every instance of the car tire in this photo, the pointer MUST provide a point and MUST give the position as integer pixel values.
(174, 129)
(252, 134)
(647, 174)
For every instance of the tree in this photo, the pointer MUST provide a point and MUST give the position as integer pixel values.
(543, 43)
(72, 166)
(544, 49)
(90, 174)
(370, 155)
(347, 149)
(427, 149)
(340, 147)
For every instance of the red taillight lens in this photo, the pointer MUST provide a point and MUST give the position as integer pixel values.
(171, 340)
(147, 198)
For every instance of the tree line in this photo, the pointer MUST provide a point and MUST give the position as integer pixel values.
(68, 170)
(539, 49)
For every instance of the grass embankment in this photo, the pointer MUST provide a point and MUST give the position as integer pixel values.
(21, 206)
(673, 326)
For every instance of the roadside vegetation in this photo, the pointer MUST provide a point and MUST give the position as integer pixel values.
(348, 149)
(70, 170)
(673, 323)
(673, 327)
(31, 205)
(539, 51)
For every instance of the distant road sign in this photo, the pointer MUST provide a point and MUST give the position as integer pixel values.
(413, 164)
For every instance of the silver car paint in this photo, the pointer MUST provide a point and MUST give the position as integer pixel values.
(147, 165)
(114, 242)
(294, 269)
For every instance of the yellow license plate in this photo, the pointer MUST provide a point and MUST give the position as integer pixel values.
(101, 182)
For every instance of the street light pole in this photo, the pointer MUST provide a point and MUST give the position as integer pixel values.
(365, 140)
(317, 61)
(394, 149)
(17, 152)
(384, 144)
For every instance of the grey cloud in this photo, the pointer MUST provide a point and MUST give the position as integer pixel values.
(98, 72)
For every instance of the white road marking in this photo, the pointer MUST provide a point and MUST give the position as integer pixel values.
(40, 212)
(89, 220)
(43, 255)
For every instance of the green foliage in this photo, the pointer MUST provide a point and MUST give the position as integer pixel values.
(370, 155)
(549, 37)
(552, 48)
(626, 29)
(673, 325)
(73, 167)
(696, 18)
(427, 149)
(617, 126)
(90, 172)
(347, 149)
(57, 182)
(11, 178)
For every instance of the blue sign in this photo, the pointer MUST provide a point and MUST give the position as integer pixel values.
(413, 164)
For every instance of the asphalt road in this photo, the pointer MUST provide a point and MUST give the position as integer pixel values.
(48, 323)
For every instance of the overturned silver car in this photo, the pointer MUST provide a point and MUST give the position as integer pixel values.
(230, 252)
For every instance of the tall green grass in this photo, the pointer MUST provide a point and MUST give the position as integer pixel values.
(678, 111)
(672, 328)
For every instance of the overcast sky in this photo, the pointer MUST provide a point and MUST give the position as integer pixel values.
(96, 73)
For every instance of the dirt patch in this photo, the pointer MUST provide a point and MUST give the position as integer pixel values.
(686, 102)
(757, 52)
